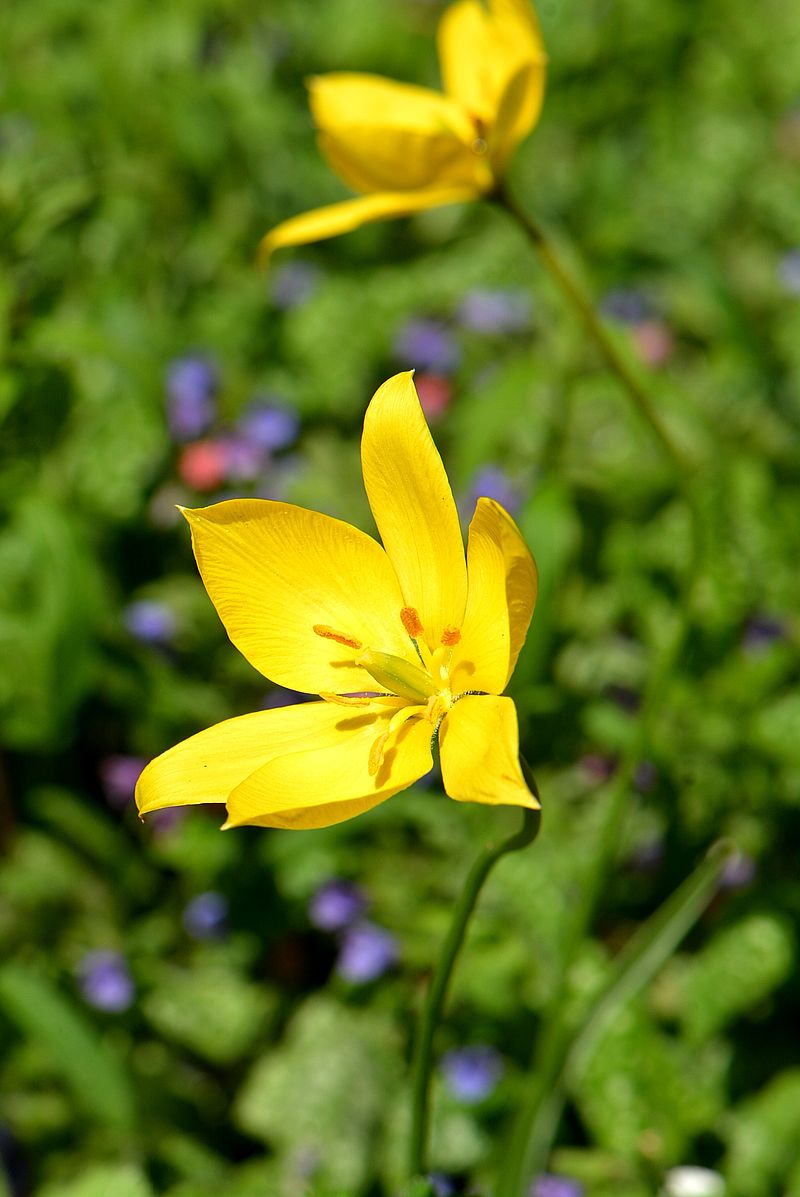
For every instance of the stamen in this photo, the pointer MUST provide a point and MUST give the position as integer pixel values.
(344, 700)
(436, 709)
(376, 754)
(400, 717)
(412, 622)
(322, 629)
(450, 636)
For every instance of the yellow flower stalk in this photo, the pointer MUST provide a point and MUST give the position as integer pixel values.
(408, 148)
(405, 643)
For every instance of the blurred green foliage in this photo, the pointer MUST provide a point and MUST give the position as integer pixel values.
(144, 149)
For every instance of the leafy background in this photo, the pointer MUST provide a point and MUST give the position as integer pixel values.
(144, 149)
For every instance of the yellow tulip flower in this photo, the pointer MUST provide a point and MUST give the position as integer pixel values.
(409, 148)
(405, 644)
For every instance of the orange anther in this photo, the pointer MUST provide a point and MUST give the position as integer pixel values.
(450, 636)
(412, 622)
(327, 633)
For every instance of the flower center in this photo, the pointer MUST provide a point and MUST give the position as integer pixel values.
(415, 691)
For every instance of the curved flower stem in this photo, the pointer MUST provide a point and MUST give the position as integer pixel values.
(423, 1055)
(605, 342)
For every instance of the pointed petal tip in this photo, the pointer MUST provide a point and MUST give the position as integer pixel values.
(189, 513)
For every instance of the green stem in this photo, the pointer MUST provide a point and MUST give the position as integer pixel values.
(423, 1056)
(605, 342)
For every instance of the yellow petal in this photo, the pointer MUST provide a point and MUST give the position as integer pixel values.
(465, 46)
(336, 219)
(384, 136)
(517, 113)
(346, 98)
(329, 780)
(500, 601)
(493, 62)
(413, 506)
(207, 766)
(479, 744)
(274, 572)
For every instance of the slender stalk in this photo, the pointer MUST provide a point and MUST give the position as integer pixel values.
(434, 1002)
(585, 308)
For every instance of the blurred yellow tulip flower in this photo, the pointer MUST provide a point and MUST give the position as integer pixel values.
(407, 148)
(406, 644)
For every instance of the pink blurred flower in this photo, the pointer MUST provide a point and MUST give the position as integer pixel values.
(435, 394)
(203, 465)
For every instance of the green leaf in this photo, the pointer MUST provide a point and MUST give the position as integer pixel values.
(100, 1084)
(739, 968)
(636, 1059)
(419, 1187)
(322, 1091)
(763, 1136)
(104, 1180)
(211, 1010)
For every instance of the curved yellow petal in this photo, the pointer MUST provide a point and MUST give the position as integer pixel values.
(328, 780)
(413, 506)
(517, 113)
(348, 98)
(502, 586)
(207, 766)
(274, 572)
(465, 46)
(384, 136)
(493, 62)
(479, 744)
(336, 219)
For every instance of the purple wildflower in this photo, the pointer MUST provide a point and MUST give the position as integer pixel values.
(596, 767)
(626, 306)
(761, 632)
(472, 1073)
(427, 345)
(789, 272)
(191, 390)
(293, 284)
(118, 777)
(492, 482)
(738, 872)
(366, 953)
(205, 917)
(645, 776)
(336, 905)
(165, 821)
(150, 621)
(486, 310)
(443, 1185)
(548, 1184)
(105, 981)
(243, 459)
(271, 426)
